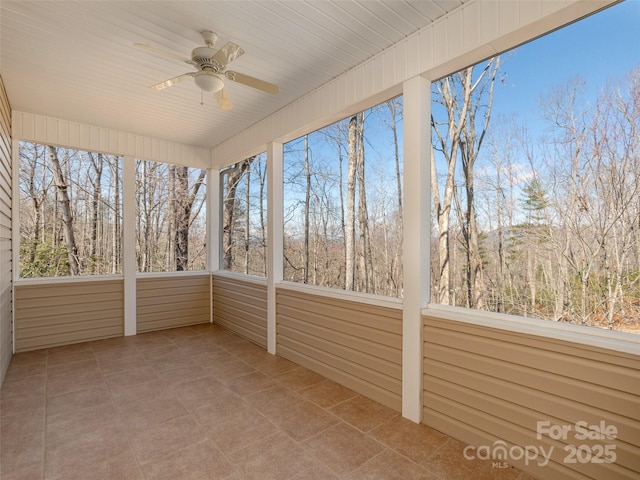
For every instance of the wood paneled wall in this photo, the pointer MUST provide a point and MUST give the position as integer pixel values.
(240, 304)
(61, 313)
(353, 343)
(6, 271)
(172, 301)
(483, 384)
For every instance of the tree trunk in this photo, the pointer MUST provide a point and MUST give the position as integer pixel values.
(95, 206)
(352, 163)
(233, 175)
(65, 207)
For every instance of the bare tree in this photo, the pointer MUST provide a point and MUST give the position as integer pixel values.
(467, 105)
(232, 177)
(65, 206)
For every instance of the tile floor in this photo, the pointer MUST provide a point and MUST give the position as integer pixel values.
(202, 403)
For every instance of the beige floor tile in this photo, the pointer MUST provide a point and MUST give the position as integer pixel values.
(21, 451)
(116, 361)
(70, 402)
(139, 393)
(131, 377)
(303, 420)
(272, 365)
(274, 400)
(227, 372)
(26, 358)
(16, 408)
(118, 467)
(144, 415)
(175, 377)
(273, 458)
(213, 409)
(82, 367)
(73, 382)
(81, 453)
(165, 438)
(250, 384)
(17, 371)
(299, 378)
(240, 430)
(363, 413)
(449, 462)
(62, 355)
(33, 472)
(415, 441)
(389, 465)
(200, 461)
(66, 427)
(214, 357)
(327, 394)
(192, 394)
(342, 448)
(167, 357)
(317, 472)
(32, 386)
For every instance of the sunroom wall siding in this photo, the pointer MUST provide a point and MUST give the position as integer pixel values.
(354, 343)
(484, 384)
(6, 325)
(53, 131)
(240, 304)
(50, 314)
(473, 32)
(169, 301)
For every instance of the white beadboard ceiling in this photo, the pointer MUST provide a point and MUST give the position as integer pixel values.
(75, 60)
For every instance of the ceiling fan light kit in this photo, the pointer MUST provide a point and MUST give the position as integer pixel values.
(208, 81)
(211, 65)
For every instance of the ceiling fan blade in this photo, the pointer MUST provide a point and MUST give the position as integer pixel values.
(253, 82)
(171, 81)
(158, 51)
(223, 100)
(228, 53)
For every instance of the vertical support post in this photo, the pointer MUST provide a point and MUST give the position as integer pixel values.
(417, 139)
(214, 221)
(15, 237)
(129, 263)
(275, 226)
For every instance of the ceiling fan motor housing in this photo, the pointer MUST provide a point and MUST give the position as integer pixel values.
(203, 56)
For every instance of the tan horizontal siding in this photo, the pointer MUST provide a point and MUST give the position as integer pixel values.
(53, 314)
(353, 343)
(241, 306)
(483, 384)
(172, 301)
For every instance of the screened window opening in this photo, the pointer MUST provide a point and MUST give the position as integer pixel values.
(171, 229)
(343, 203)
(537, 179)
(244, 216)
(70, 212)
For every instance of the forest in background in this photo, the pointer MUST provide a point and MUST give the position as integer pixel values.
(71, 214)
(342, 206)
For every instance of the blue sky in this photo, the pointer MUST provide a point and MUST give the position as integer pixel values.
(602, 47)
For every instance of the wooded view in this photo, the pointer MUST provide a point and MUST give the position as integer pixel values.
(539, 223)
(71, 214)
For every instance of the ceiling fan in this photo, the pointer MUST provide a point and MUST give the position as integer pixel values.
(211, 68)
